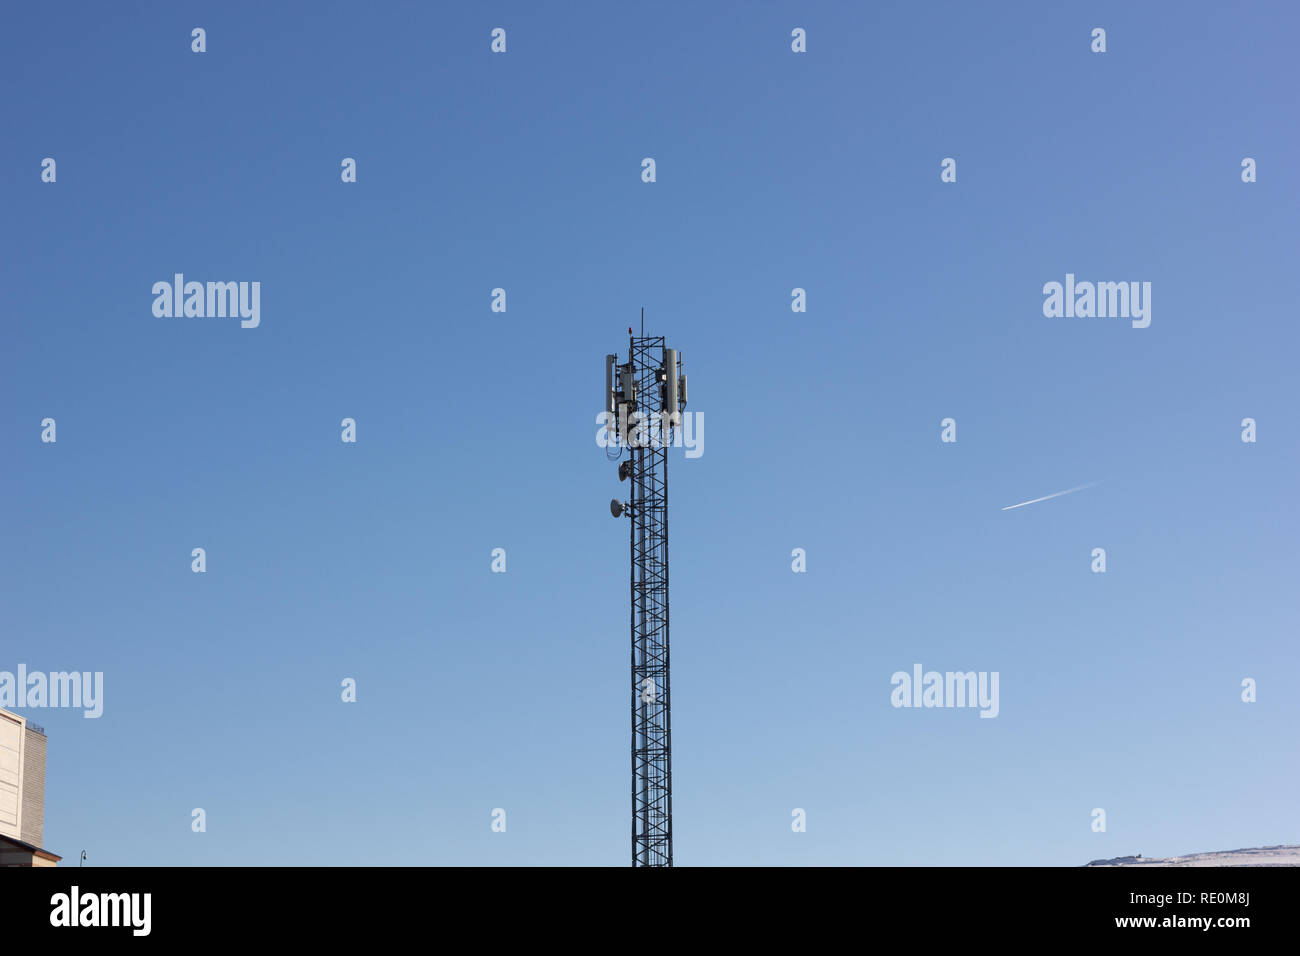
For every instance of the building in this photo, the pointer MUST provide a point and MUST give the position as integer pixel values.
(22, 793)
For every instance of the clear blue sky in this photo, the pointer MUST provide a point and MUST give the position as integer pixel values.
(476, 429)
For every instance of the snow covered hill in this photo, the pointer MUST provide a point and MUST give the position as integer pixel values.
(1259, 856)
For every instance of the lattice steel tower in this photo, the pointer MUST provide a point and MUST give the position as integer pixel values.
(643, 401)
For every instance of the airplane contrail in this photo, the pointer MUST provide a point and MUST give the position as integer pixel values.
(1046, 497)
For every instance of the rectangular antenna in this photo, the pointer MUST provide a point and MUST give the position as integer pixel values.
(670, 386)
(609, 393)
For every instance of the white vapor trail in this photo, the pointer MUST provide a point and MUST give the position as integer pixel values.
(1058, 494)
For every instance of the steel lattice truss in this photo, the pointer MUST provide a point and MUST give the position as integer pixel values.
(652, 773)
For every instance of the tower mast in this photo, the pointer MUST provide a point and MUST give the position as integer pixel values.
(645, 397)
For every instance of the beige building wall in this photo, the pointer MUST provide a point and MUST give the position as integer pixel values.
(22, 794)
(33, 794)
(13, 740)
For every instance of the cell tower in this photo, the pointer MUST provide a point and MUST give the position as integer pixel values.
(643, 401)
